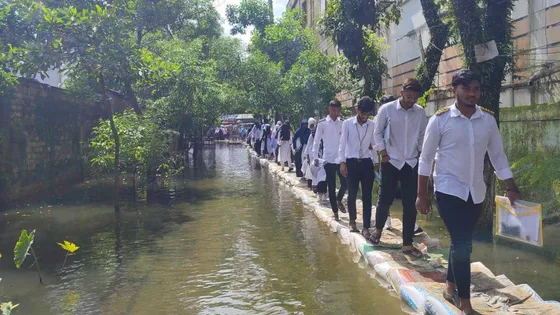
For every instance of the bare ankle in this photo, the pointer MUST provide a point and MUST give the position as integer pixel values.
(451, 287)
(466, 305)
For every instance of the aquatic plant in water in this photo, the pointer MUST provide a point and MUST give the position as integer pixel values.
(70, 249)
(22, 249)
(7, 308)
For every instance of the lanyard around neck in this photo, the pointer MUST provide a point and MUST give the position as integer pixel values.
(362, 139)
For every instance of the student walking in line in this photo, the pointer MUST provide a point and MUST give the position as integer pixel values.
(328, 133)
(399, 133)
(257, 138)
(306, 151)
(357, 157)
(267, 142)
(388, 224)
(250, 135)
(458, 137)
(316, 175)
(275, 139)
(285, 142)
(299, 142)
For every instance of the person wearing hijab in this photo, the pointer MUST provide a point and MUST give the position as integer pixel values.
(276, 145)
(299, 142)
(267, 142)
(285, 139)
(306, 152)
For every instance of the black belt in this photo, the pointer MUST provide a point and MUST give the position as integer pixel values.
(359, 160)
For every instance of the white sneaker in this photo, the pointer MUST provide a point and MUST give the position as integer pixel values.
(388, 224)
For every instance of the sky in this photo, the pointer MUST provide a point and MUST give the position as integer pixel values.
(279, 6)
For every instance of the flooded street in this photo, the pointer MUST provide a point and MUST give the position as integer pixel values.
(233, 242)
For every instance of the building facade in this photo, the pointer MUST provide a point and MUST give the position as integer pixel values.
(536, 41)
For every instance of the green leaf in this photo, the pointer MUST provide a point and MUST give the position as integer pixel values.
(7, 308)
(69, 247)
(22, 247)
(98, 8)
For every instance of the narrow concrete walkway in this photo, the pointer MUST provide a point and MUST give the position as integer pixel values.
(419, 283)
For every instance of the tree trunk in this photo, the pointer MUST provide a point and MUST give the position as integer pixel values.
(497, 27)
(486, 221)
(115, 132)
(132, 96)
(439, 37)
(134, 184)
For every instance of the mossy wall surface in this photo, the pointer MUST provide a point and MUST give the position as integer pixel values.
(529, 129)
(43, 131)
(531, 137)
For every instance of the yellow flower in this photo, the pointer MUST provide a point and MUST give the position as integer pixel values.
(69, 247)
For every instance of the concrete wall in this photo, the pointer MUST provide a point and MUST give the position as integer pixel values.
(43, 132)
(529, 129)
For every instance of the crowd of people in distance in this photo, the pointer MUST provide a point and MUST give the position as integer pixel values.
(400, 147)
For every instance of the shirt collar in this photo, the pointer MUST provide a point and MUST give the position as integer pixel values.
(355, 121)
(399, 107)
(456, 113)
(330, 119)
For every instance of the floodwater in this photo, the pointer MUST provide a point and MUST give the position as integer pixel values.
(232, 241)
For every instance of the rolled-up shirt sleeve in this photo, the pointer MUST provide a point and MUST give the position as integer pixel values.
(430, 145)
(374, 156)
(379, 129)
(496, 153)
(317, 141)
(342, 144)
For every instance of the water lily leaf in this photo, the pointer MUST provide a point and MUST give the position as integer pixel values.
(22, 247)
(7, 308)
(69, 247)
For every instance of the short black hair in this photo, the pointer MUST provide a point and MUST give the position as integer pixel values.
(335, 103)
(412, 84)
(366, 104)
(387, 99)
(464, 77)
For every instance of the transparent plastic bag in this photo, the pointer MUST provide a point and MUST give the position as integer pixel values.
(521, 222)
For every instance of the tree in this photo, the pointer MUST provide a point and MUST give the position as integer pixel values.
(478, 23)
(255, 13)
(94, 44)
(352, 25)
(439, 37)
(285, 40)
(143, 148)
(311, 83)
(7, 79)
(195, 98)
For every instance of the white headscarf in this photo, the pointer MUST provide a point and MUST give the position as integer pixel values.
(311, 122)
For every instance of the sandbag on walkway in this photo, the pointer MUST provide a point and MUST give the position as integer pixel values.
(418, 282)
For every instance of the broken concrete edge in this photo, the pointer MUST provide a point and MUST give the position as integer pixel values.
(388, 272)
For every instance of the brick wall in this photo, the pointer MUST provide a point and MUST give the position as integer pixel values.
(43, 135)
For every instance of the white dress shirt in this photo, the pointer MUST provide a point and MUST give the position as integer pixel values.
(257, 133)
(356, 141)
(459, 146)
(329, 131)
(400, 132)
